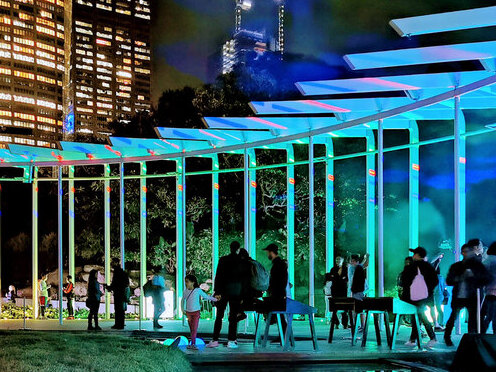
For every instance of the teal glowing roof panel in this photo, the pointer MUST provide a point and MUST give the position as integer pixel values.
(281, 125)
(417, 56)
(218, 137)
(92, 151)
(155, 146)
(391, 83)
(443, 22)
(37, 154)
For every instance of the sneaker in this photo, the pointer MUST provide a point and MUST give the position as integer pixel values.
(410, 343)
(448, 342)
(97, 328)
(240, 317)
(157, 326)
(439, 329)
(192, 347)
(431, 343)
(90, 328)
(213, 344)
(232, 344)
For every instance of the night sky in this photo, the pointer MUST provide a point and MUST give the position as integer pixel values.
(185, 33)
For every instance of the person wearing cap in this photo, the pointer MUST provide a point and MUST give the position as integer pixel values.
(411, 278)
(466, 277)
(278, 282)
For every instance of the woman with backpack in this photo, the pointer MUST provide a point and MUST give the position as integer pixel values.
(419, 280)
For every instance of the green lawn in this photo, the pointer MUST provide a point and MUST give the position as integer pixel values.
(64, 351)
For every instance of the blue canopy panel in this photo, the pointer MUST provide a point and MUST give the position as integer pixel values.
(93, 151)
(443, 22)
(43, 154)
(417, 56)
(282, 125)
(6, 156)
(155, 146)
(445, 80)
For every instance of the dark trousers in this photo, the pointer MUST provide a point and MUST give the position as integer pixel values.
(234, 309)
(489, 313)
(93, 314)
(273, 304)
(421, 307)
(119, 304)
(457, 305)
(70, 307)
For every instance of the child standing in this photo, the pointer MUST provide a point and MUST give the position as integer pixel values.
(191, 306)
(43, 294)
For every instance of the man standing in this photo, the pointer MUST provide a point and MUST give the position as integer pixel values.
(228, 285)
(120, 287)
(158, 299)
(419, 280)
(339, 288)
(69, 294)
(358, 283)
(278, 282)
(466, 277)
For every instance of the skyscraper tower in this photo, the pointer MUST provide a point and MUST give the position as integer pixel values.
(281, 10)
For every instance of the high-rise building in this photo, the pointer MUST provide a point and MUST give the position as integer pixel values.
(71, 65)
(108, 68)
(31, 71)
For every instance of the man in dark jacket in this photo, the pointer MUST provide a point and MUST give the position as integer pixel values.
(228, 284)
(119, 285)
(408, 276)
(339, 279)
(466, 277)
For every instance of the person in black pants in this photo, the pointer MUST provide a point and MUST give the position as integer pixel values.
(119, 285)
(466, 277)
(93, 300)
(339, 279)
(228, 284)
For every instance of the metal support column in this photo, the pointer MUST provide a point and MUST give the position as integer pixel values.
(121, 215)
(370, 198)
(60, 194)
(106, 239)
(380, 207)
(290, 215)
(246, 200)
(180, 231)
(311, 224)
(143, 191)
(72, 190)
(460, 161)
(413, 187)
(215, 214)
(0, 244)
(34, 244)
(329, 200)
(252, 229)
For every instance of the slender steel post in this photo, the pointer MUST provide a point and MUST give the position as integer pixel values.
(143, 191)
(252, 208)
(246, 201)
(215, 214)
(413, 187)
(180, 231)
(121, 215)
(0, 244)
(72, 190)
(34, 244)
(460, 191)
(460, 161)
(370, 207)
(329, 196)
(380, 207)
(106, 204)
(60, 194)
(290, 215)
(311, 224)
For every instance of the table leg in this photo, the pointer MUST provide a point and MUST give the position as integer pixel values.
(312, 330)
(331, 329)
(355, 329)
(289, 331)
(280, 330)
(256, 342)
(388, 329)
(395, 330)
(365, 329)
(267, 326)
(377, 329)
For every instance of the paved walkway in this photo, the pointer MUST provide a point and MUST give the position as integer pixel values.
(340, 350)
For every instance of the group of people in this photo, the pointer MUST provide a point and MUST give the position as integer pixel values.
(119, 286)
(474, 284)
(239, 283)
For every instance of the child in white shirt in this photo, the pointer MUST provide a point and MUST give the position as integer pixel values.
(191, 305)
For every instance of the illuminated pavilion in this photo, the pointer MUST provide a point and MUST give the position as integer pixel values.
(285, 124)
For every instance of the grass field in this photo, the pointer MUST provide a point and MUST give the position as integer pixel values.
(63, 351)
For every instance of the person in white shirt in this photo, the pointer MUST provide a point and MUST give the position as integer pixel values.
(191, 306)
